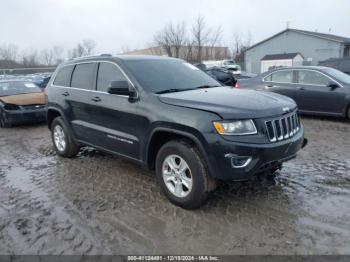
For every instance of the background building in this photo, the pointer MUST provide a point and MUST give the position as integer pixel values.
(269, 62)
(313, 46)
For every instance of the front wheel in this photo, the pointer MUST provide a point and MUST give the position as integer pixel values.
(183, 175)
(62, 140)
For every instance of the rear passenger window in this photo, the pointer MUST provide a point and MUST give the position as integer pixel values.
(285, 76)
(83, 76)
(63, 76)
(108, 72)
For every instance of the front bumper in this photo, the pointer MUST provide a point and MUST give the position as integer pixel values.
(223, 154)
(16, 117)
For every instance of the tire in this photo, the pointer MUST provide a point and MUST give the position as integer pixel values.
(348, 113)
(180, 154)
(65, 146)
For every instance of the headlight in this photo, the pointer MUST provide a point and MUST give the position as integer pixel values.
(239, 127)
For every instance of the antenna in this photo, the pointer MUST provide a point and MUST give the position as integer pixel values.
(287, 24)
(329, 30)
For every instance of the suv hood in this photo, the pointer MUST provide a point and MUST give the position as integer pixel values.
(231, 103)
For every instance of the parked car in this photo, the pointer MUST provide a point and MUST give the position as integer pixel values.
(227, 64)
(316, 89)
(244, 75)
(222, 75)
(170, 116)
(21, 102)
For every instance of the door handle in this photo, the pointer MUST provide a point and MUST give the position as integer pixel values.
(65, 93)
(96, 99)
(301, 88)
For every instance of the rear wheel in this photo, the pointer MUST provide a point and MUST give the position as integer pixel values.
(182, 174)
(348, 113)
(63, 141)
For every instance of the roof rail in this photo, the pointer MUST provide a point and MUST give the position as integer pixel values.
(105, 55)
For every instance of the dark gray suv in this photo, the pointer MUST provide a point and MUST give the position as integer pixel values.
(170, 116)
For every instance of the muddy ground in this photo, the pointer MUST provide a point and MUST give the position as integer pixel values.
(99, 204)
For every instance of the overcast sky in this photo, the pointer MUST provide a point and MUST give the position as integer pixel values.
(114, 24)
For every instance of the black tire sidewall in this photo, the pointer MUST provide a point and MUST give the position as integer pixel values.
(199, 191)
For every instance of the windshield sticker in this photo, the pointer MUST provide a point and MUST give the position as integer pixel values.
(191, 66)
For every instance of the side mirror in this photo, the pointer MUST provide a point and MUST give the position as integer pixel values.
(119, 88)
(333, 84)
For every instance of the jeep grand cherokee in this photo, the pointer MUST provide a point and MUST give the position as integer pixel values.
(168, 115)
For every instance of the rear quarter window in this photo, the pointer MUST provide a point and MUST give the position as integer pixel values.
(63, 76)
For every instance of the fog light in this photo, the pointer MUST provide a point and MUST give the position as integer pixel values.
(239, 161)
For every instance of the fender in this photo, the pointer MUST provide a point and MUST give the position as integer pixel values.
(60, 111)
(200, 144)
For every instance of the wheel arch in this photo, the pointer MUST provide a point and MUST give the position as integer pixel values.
(162, 135)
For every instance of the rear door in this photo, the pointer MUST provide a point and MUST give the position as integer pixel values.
(314, 94)
(114, 118)
(83, 81)
(281, 82)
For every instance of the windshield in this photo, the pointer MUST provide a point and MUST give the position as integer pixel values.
(159, 75)
(17, 87)
(340, 76)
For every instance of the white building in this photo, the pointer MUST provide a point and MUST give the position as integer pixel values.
(269, 62)
(314, 46)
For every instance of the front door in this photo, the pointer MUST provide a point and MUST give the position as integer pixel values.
(314, 94)
(114, 118)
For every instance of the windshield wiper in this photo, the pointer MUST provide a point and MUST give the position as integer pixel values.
(205, 86)
(172, 90)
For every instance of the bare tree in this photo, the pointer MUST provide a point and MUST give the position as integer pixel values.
(200, 34)
(47, 56)
(177, 36)
(85, 48)
(8, 52)
(237, 43)
(30, 58)
(58, 54)
(88, 46)
(125, 49)
(162, 39)
(214, 40)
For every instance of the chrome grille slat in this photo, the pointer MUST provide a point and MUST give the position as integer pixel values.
(283, 127)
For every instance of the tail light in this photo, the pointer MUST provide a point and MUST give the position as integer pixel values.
(11, 107)
(237, 85)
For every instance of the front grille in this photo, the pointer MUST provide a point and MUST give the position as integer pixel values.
(283, 127)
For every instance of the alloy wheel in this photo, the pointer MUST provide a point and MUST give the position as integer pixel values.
(177, 176)
(59, 138)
